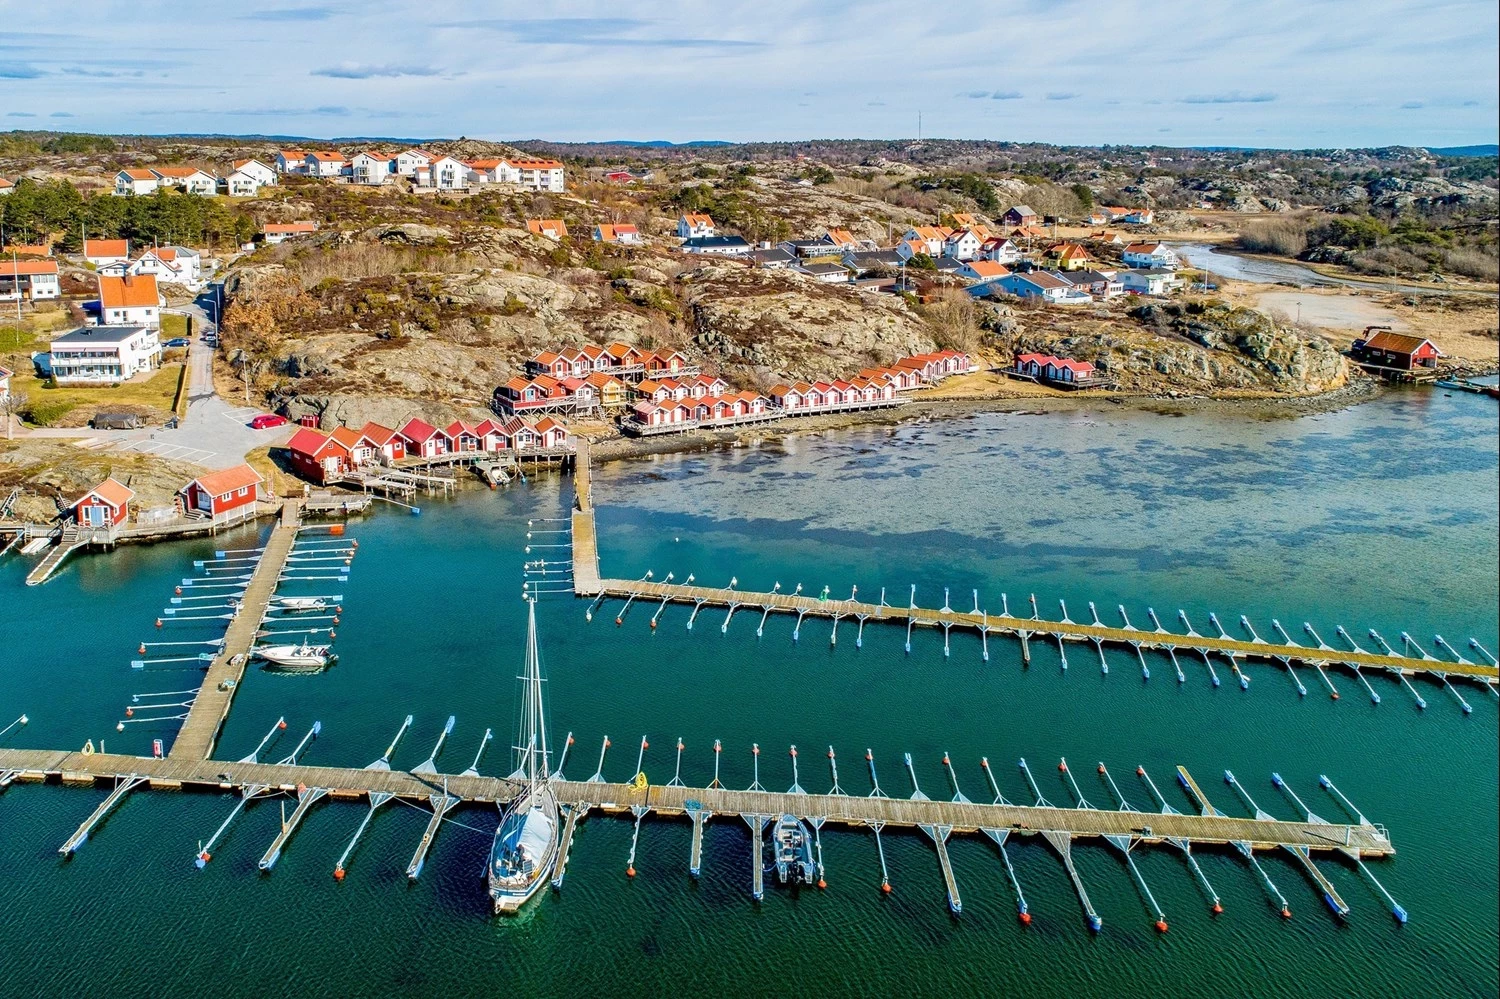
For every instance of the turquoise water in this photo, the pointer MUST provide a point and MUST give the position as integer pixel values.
(1382, 516)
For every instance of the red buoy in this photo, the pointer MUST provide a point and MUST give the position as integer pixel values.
(1218, 909)
(1025, 918)
(177, 590)
(1140, 771)
(158, 622)
(617, 622)
(794, 750)
(630, 871)
(1101, 768)
(1161, 926)
(822, 883)
(885, 886)
(142, 649)
(281, 724)
(653, 624)
(130, 712)
(1062, 765)
(1286, 913)
(1334, 695)
(338, 874)
(205, 856)
(945, 760)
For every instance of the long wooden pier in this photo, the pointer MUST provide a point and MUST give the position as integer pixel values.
(1025, 629)
(195, 740)
(178, 772)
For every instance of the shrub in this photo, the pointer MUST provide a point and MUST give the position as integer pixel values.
(1286, 237)
(1481, 265)
(46, 412)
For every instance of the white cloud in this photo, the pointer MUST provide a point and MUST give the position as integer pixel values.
(1278, 72)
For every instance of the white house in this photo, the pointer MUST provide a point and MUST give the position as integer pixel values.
(129, 301)
(693, 224)
(961, 244)
(1040, 284)
(33, 279)
(189, 179)
(1150, 255)
(102, 354)
(825, 273)
(263, 175)
(1001, 251)
(176, 264)
(324, 163)
(240, 184)
(538, 175)
(724, 246)
(104, 252)
(447, 174)
(291, 161)
(932, 238)
(975, 271)
(409, 160)
(368, 168)
(1102, 285)
(6, 186)
(275, 232)
(1148, 282)
(136, 182)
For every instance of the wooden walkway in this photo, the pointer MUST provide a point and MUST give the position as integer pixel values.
(1024, 628)
(179, 771)
(195, 740)
(585, 547)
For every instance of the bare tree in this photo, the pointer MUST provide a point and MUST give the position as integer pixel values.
(13, 404)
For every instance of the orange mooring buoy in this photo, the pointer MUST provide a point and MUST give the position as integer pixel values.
(158, 622)
(142, 649)
(205, 856)
(1286, 913)
(281, 724)
(885, 886)
(1101, 768)
(1025, 918)
(1161, 926)
(822, 883)
(1062, 765)
(1218, 909)
(630, 871)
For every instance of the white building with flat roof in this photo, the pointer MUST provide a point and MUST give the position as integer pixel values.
(97, 355)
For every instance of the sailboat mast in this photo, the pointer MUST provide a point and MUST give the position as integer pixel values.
(534, 663)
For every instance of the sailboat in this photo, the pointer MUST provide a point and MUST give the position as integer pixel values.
(525, 847)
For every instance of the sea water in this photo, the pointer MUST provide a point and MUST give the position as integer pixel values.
(1382, 516)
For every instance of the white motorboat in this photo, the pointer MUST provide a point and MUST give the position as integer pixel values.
(296, 657)
(301, 603)
(525, 847)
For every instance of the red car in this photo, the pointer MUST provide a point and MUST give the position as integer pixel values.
(265, 421)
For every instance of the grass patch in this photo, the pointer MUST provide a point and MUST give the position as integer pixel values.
(57, 406)
(173, 325)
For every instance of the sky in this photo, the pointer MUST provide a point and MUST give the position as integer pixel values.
(1271, 73)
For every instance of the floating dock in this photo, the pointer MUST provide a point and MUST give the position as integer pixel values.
(195, 740)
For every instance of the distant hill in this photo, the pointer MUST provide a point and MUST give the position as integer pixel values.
(1489, 150)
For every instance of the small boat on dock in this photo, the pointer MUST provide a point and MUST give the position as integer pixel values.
(303, 658)
(526, 843)
(300, 603)
(791, 846)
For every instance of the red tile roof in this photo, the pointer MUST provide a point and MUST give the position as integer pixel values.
(228, 480)
(106, 248)
(128, 292)
(112, 492)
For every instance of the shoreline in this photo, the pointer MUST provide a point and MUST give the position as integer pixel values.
(1355, 392)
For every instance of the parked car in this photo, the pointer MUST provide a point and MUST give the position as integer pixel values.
(265, 421)
(116, 421)
(177, 341)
